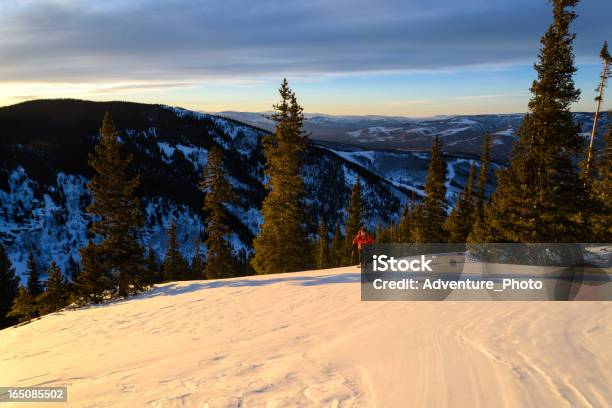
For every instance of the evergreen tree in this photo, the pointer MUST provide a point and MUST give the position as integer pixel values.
(56, 295)
(197, 264)
(9, 285)
(73, 269)
(482, 177)
(602, 194)
(406, 221)
(118, 218)
(335, 250)
(35, 286)
(395, 233)
(429, 225)
(322, 247)
(354, 222)
(219, 260)
(540, 196)
(93, 281)
(174, 267)
(387, 235)
(405, 225)
(605, 74)
(282, 243)
(461, 219)
(152, 267)
(25, 307)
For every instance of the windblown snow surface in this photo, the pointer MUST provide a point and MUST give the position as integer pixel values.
(306, 339)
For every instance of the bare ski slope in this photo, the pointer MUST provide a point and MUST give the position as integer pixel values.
(306, 339)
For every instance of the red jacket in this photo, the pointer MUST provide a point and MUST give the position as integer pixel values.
(362, 239)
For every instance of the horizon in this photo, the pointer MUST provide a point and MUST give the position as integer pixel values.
(306, 113)
(392, 59)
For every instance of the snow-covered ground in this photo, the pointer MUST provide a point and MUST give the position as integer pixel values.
(306, 339)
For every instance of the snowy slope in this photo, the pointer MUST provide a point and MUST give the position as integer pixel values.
(306, 339)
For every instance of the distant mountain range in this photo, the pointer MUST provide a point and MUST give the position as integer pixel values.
(44, 147)
(462, 135)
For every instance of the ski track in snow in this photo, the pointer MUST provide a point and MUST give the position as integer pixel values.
(306, 339)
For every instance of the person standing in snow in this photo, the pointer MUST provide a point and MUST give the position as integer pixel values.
(361, 240)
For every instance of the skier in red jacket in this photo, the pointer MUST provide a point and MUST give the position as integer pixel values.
(361, 240)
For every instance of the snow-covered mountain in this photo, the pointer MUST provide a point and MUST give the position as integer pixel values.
(44, 146)
(461, 135)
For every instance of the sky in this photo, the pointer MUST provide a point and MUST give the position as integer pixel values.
(346, 57)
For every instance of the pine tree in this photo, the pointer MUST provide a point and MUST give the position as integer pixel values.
(174, 266)
(56, 295)
(405, 226)
(93, 281)
(482, 177)
(385, 235)
(540, 195)
(322, 247)
(354, 222)
(378, 232)
(461, 219)
(152, 267)
(603, 81)
(197, 265)
(395, 233)
(429, 225)
(25, 307)
(602, 194)
(9, 285)
(219, 260)
(335, 250)
(35, 286)
(282, 243)
(118, 217)
(406, 221)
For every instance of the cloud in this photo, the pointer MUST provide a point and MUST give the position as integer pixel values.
(140, 87)
(192, 40)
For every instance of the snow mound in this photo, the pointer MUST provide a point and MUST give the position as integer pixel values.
(306, 339)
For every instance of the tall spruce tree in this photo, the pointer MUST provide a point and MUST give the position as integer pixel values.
(219, 260)
(354, 222)
(540, 195)
(282, 243)
(461, 219)
(335, 250)
(322, 247)
(9, 285)
(56, 295)
(429, 217)
(35, 286)
(174, 266)
(116, 209)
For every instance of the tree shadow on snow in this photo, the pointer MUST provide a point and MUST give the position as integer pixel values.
(174, 289)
